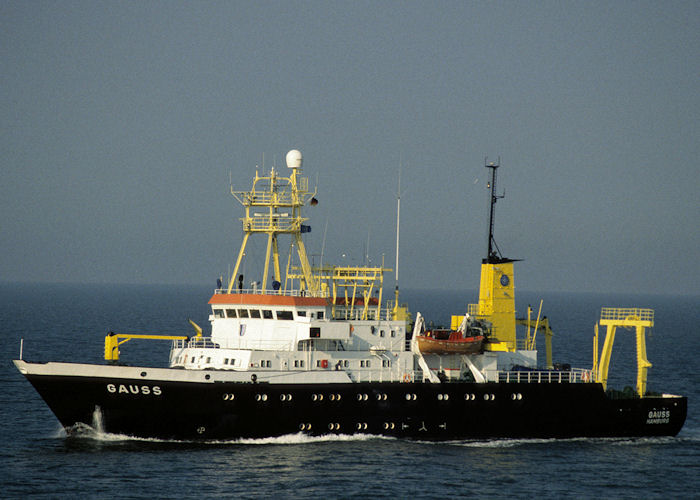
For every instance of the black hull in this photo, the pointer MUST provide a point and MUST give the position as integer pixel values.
(233, 410)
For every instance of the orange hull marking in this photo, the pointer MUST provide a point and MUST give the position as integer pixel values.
(269, 300)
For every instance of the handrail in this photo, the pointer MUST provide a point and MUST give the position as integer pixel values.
(208, 343)
(575, 375)
(622, 313)
(267, 291)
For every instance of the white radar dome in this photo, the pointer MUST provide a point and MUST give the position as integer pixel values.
(294, 159)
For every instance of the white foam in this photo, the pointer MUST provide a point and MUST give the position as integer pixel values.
(300, 438)
(84, 431)
(510, 443)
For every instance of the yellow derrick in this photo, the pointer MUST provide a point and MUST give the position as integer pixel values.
(112, 342)
(611, 318)
(541, 324)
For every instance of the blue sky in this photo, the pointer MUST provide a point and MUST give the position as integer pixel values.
(122, 123)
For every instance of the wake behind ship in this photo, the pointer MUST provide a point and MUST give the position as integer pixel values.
(314, 349)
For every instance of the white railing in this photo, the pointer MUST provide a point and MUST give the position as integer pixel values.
(267, 291)
(254, 345)
(546, 376)
(343, 313)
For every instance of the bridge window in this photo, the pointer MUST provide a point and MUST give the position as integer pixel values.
(230, 313)
(319, 315)
(218, 313)
(267, 314)
(243, 313)
(285, 315)
(254, 313)
(301, 313)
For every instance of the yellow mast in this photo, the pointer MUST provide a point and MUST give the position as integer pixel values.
(280, 200)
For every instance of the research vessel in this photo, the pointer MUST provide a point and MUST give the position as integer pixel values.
(317, 350)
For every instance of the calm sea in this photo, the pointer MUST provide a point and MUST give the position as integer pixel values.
(68, 323)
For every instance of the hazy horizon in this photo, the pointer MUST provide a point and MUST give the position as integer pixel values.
(124, 124)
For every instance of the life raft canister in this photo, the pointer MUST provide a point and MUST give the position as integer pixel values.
(324, 363)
